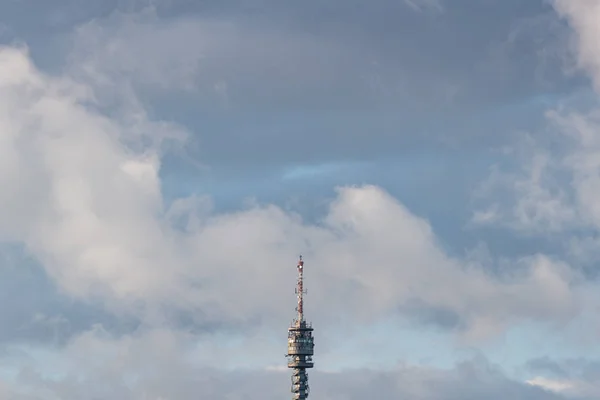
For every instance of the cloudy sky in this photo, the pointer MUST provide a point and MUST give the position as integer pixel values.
(164, 162)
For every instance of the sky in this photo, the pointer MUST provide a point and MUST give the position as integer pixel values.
(164, 162)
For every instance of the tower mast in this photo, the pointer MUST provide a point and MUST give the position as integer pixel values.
(300, 343)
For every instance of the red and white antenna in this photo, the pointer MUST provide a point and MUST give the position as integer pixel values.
(300, 290)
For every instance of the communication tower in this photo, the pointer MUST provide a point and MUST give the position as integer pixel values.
(300, 344)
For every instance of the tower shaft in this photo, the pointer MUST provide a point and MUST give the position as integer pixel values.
(300, 344)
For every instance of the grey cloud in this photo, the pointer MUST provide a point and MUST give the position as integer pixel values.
(314, 56)
(96, 222)
(317, 54)
(294, 83)
(156, 367)
(35, 311)
(425, 5)
(303, 83)
(547, 365)
(587, 369)
(470, 380)
(437, 316)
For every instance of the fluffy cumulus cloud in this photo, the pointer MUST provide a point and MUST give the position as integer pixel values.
(81, 193)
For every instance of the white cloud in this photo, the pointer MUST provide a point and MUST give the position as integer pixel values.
(80, 186)
(572, 388)
(550, 384)
(72, 191)
(583, 17)
(84, 195)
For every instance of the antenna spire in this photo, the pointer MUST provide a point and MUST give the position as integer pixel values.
(300, 290)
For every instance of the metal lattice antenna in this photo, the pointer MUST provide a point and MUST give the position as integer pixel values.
(300, 290)
(300, 344)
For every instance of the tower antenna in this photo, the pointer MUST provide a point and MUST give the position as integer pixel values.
(300, 289)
